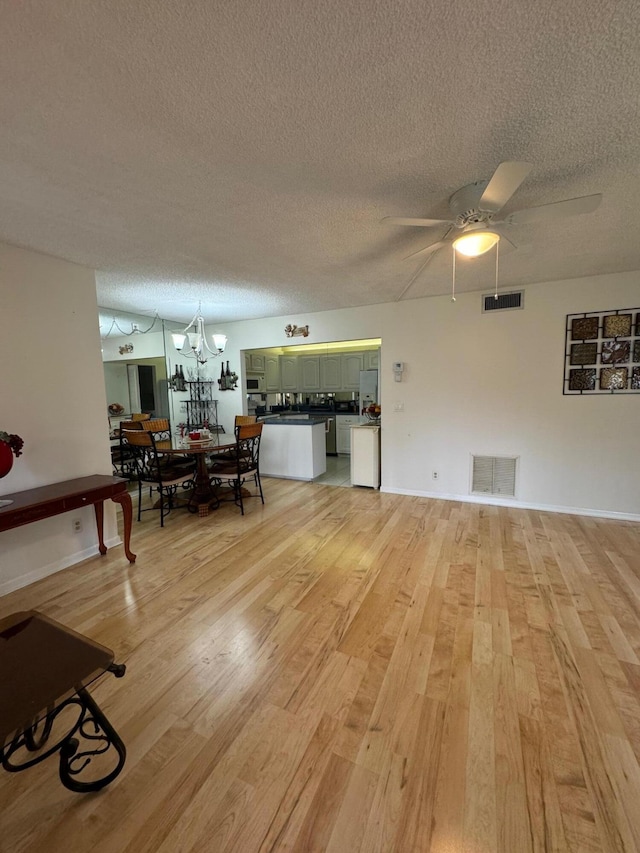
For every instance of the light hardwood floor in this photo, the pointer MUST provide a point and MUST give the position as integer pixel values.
(343, 670)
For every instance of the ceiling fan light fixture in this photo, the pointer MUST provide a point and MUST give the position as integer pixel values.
(475, 243)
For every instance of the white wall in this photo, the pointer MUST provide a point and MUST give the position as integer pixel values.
(492, 384)
(485, 384)
(149, 345)
(52, 394)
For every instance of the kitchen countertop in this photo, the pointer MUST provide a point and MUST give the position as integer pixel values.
(292, 421)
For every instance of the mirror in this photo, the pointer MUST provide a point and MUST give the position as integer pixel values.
(135, 365)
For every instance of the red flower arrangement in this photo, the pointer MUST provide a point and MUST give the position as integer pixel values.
(14, 441)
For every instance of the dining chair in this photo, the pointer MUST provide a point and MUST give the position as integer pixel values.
(243, 463)
(159, 426)
(159, 476)
(140, 416)
(242, 420)
(161, 429)
(124, 466)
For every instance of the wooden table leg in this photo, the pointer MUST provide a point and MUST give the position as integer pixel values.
(99, 510)
(124, 499)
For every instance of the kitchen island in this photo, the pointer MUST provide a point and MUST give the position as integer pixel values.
(293, 447)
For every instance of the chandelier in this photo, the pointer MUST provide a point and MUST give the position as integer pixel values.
(198, 346)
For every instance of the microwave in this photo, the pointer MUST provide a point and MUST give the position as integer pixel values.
(255, 384)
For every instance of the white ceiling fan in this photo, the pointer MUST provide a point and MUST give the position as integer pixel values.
(474, 229)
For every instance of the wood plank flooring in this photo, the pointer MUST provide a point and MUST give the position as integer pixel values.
(348, 671)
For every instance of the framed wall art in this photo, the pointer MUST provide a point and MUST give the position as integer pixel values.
(602, 352)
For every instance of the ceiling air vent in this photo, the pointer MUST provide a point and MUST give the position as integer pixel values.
(504, 302)
(494, 475)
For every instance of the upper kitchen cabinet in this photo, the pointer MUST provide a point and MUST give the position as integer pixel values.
(351, 366)
(331, 372)
(289, 373)
(372, 359)
(272, 373)
(256, 362)
(309, 372)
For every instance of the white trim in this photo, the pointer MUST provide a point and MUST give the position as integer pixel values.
(52, 568)
(493, 501)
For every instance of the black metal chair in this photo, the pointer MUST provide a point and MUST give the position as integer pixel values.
(155, 471)
(243, 462)
(121, 456)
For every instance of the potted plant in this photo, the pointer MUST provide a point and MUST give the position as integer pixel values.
(10, 445)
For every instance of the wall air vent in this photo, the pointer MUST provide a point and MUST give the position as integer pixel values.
(494, 475)
(504, 302)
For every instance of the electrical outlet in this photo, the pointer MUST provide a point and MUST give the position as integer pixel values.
(76, 525)
(435, 475)
(398, 407)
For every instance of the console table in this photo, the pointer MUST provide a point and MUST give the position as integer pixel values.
(46, 501)
(45, 668)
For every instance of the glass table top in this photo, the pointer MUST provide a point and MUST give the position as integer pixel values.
(42, 663)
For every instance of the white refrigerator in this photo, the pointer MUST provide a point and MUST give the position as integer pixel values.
(368, 388)
(365, 456)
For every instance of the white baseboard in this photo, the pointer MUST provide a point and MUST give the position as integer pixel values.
(57, 566)
(494, 501)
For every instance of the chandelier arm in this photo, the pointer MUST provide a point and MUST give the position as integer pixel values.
(192, 323)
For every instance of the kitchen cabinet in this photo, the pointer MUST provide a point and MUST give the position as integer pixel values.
(331, 372)
(372, 359)
(288, 373)
(256, 363)
(272, 373)
(343, 431)
(365, 456)
(351, 366)
(309, 372)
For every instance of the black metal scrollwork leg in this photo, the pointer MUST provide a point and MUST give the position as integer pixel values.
(91, 729)
(94, 728)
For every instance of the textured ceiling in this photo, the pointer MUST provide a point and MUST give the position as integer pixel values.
(243, 153)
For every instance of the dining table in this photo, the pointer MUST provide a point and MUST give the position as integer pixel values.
(204, 496)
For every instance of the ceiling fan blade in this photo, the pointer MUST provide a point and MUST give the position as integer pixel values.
(428, 250)
(569, 207)
(424, 223)
(505, 239)
(504, 182)
(415, 276)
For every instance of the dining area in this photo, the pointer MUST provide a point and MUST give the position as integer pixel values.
(192, 470)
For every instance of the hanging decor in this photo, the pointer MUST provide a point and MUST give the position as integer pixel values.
(198, 347)
(228, 379)
(602, 352)
(296, 331)
(135, 330)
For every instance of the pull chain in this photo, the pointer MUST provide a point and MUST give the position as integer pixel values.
(453, 283)
(497, 256)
